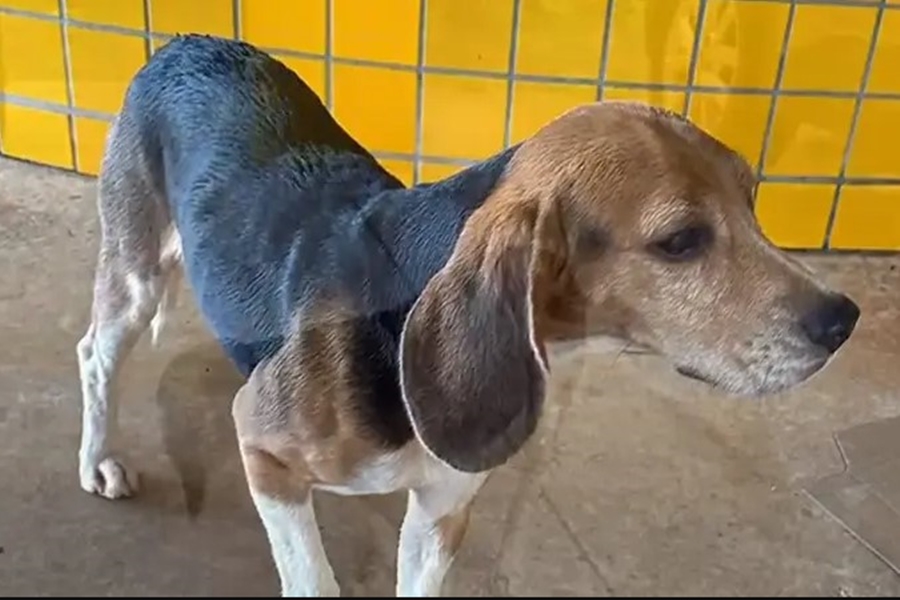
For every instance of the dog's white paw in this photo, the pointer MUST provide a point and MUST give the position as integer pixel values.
(110, 479)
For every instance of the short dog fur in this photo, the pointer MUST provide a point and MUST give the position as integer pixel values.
(396, 339)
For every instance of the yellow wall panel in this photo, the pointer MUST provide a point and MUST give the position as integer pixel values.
(91, 137)
(559, 55)
(652, 41)
(809, 136)
(563, 39)
(438, 171)
(35, 135)
(387, 30)
(158, 43)
(310, 70)
(463, 116)
(488, 34)
(122, 13)
(868, 218)
(48, 7)
(828, 47)
(666, 99)
(31, 59)
(401, 169)
(738, 120)
(885, 76)
(740, 44)
(794, 215)
(214, 17)
(384, 120)
(102, 65)
(536, 104)
(285, 24)
(875, 148)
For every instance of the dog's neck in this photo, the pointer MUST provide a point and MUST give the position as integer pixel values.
(419, 226)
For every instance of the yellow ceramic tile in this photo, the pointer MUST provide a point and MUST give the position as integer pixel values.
(662, 98)
(884, 76)
(310, 70)
(739, 120)
(91, 141)
(285, 24)
(563, 39)
(384, 120)
(214, 17)
(123, 13)
(808, 136)
(49, 7)
(387, 30)
(401, 169)
(475, 34)
(31, 59)
(437, 171)
(794, 215)
(874, 152)
(828, 47)
(103, 64)
(35, 135)
(463, 116)
(536, 104)
(868, 218)
(741, 43)
(158, 43)
(652, 41)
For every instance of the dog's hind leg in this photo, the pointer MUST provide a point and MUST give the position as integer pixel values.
(129, 283)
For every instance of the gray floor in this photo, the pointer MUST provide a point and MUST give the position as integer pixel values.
(640, 482)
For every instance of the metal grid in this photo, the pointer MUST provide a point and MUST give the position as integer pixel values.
(510, 76)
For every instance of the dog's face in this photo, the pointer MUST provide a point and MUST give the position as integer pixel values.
(663, 248)
(614, 219)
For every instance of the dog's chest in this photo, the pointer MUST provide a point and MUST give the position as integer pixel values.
(408, 467)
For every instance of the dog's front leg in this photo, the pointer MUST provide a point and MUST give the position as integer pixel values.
(433, 528)
(289, 519)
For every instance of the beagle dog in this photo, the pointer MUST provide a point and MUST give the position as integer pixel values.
(397, 338)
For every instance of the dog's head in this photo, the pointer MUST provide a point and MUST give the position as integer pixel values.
(614, 219)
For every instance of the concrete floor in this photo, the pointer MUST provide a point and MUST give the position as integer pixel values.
(639, 483)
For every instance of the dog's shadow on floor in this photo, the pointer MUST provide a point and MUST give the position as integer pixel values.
(194, 398)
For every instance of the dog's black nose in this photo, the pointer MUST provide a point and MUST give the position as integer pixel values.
(832, 322)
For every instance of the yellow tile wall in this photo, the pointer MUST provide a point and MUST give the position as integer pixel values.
(808, 92)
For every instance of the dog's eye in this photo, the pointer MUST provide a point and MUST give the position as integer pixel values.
(684, 244)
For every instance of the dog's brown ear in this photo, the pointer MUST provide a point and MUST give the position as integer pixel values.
(473, 372)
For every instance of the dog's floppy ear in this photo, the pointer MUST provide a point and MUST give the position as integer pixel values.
(473, 372)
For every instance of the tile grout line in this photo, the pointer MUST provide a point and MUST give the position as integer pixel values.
(497, 74)
(773, 104)
(100, 116)
(70, 84)
(148, 28)
(420, 93)
(695, 58)
(329, 54)
(53, 107)
(236, 21)
(511, 73)
(604, 49)
(854, 123)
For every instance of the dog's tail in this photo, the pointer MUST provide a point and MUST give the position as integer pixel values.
(170, 267)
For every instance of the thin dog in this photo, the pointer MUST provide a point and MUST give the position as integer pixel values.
(397, 339)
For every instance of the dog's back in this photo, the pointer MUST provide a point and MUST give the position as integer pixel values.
(234, 150)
